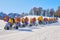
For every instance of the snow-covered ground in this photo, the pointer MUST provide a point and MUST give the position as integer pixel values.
(45, 32)
(59, 20)
(2, 24)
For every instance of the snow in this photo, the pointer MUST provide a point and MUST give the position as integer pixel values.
(2, 24)
(44, 32)
(59, 20)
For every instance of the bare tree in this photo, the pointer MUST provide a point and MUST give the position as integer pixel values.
(57, 14)
(52, 12)
(44, 12)
(40, 11)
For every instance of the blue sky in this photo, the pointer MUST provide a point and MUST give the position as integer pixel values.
(19, 6)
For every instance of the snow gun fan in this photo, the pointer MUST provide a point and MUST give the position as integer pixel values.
(32, 21)
(17, 22)
(40, 20)
(6, 18)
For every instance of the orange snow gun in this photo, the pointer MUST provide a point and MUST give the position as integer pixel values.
(6, 18)
(56, 19)
(49, 20)
(45, 19)
(34, 19)
(17, 20)
(26, 19)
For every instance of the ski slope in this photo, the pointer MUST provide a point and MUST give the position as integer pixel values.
(2, 24)
(45, 32)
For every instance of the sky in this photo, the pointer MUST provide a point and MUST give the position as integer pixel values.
(20, 6)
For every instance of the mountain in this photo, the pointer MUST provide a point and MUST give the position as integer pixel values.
(13, 15)
(2, 15)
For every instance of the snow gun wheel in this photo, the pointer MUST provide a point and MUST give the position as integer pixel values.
(6, 28)
(16, 27)
(34, 21)
(23, 25)
(30, 25)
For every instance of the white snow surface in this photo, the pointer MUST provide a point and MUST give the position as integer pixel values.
(43, 33)
(2, 24)
(59, 20)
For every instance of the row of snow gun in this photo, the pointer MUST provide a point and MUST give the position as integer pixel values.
(22, 22)
(40, 20)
